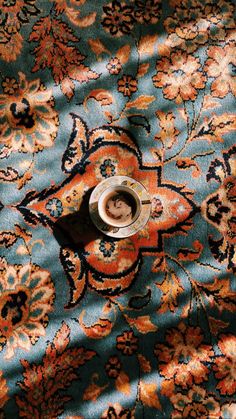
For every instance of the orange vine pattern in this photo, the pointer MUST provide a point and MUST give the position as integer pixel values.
(138, 327)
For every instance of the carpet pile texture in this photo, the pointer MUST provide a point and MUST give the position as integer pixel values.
(92, 326)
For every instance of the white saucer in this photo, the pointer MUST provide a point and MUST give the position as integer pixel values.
(137, 224)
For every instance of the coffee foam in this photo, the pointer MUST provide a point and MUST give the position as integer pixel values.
(119, 206)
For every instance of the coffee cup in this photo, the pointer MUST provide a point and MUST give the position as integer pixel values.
(119, 206)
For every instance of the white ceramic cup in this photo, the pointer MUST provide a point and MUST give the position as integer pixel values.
(115, 200)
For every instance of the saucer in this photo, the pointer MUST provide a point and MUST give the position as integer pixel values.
(131, 229)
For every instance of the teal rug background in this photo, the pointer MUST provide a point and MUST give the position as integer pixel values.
(92, 327)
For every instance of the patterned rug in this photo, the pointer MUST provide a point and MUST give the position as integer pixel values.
(92, 326)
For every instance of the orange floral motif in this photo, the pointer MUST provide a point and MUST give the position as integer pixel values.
(221, 211)
(57, 39)
(220, 66)
(171, 289)
(127, 343)
(127, 85)
(13, 14)
(225, 365)
(151, 86)
(169, 133)
(42, 384)
(219, 208)
(147, 12)
(118, 18)
(9, 86)
(114, 66)
(118, 261)
(195, 22)
(184, 356)
(28, 121)
(180, 77)
(196, 403)
(27, 295)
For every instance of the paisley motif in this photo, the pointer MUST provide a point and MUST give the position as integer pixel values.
(110, 267)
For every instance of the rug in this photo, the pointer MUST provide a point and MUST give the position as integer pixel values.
(92, 326)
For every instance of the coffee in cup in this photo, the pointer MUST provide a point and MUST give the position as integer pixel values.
(119, 206)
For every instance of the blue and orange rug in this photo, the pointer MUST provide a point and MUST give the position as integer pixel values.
(90, 326)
